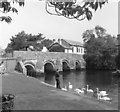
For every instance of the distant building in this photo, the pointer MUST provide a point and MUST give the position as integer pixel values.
(30, 48)
(44, 49)
(67, 46)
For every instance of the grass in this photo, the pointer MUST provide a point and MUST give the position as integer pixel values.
(31, 94)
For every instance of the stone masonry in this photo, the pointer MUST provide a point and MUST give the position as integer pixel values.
(38, 59)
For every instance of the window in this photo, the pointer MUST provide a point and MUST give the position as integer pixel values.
(77, 49)
(72, 49)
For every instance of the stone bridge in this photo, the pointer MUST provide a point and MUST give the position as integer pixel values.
(49, 61)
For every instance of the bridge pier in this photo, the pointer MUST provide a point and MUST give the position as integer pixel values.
(20, 67)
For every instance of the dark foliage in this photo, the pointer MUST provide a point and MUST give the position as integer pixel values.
(70, 10)
(5, 7)
(23, 41)
(101, 49)
(74, 10)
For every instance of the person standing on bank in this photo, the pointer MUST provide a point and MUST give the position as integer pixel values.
(57, 75)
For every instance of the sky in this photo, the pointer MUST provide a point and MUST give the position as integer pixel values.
(32, 18)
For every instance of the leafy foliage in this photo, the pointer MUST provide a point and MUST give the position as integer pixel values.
(97, 32)
(23, 41)
(7, 19)
(118, 60)
(47, 42)
(118, 54)
(100, 49)
(72, 10)
(5, 7)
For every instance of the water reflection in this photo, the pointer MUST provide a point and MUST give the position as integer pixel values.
(77, 79)
(101, 79)
(49, 78)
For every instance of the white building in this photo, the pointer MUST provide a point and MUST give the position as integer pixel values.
(67, 46)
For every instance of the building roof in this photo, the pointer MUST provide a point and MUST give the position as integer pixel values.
(74, 43)
(56, 44)
(66, 43)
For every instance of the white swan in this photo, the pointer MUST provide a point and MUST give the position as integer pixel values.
(55, 84)
(105, 98)
(70, 86)
(89, 90)
(64, 89)
(102, 93)
(79, 90)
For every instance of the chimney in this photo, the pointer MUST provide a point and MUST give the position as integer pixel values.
(59, 41)
(53, 40)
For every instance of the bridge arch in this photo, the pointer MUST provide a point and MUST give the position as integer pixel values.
(65, 65)
(49, 66)
(30, 68)
(77, 65)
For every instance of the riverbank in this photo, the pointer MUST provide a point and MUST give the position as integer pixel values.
(31, 94)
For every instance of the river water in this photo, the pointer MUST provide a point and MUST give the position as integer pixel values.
(103, 80)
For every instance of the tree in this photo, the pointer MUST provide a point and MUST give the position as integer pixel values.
(100, 49)
(97, 32)
(100, 31)
(5, 7)
(22, 41)
(73, 10)
(118, 52)
(47, 42)
(70, 10)
(118, 61)
(87, 35)
(17, 42)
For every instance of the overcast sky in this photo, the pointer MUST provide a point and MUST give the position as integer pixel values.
(32, 18)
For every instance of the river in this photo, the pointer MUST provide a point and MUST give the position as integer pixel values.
(103, 80)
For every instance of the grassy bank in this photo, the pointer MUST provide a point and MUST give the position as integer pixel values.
(31, 94)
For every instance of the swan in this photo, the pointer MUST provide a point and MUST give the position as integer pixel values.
(79, 90)
(55, 84)
(105, 98)
(70, 86)
(102, 93)
(64, 89)
(89, 90)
